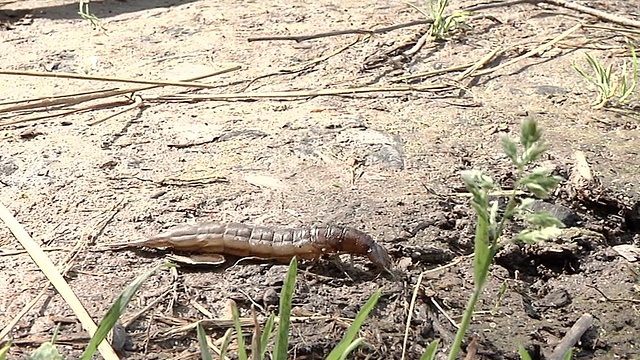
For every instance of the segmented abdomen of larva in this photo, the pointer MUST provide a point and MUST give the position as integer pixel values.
(264, 242)
(237, 239)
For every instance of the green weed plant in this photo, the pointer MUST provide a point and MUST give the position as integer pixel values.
(491, 222)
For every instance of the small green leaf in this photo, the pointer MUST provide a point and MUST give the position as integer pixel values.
(532, 236)
(568, 355)
(525, 204)
(533, 153)
(529, 133)
(286, 296)
(431, 351)
(543, 219)
(511, 150)
(46, 351)
(540, 183)
(482, 253)
(202, 342)
(116, 310)
(524, 355)
(349, 337)
(493, 214)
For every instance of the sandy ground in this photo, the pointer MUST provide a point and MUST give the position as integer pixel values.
(382, 162)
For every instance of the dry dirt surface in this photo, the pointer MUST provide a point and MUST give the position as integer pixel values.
(386, 162)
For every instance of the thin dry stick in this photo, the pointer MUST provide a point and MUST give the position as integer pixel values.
(64, 113)
(432, 73)
(444, 313)
(308, 64)
(299, 38)
(7, 329)
(572, 336)
(597, 13)
(612, 28)
(67, 264)
(136, 105)
(129, 320)
(49, 98)
(537, 51)
(478, 65)
(493, 5)
(566, 4)
(296, 94)
(73, 99)
(111, 78)
(4, 252)
(57, 280)
(412, 305)
(215, 348)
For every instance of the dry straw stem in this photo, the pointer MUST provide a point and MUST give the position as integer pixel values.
(68, 261)
(479, 64)
(67, 112)
(300, 38)
(537, 51)
(297, 94)
(597, 13)
(561, 3)
(611, 28)
(472, 67)
(309, 64)
(416, 289)
(433, 72)
(115, 79)
(50, 271)
(137, 104)
(73, 99)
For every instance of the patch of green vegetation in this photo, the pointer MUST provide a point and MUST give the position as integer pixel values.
(84, 10)
(260, 340)
(614, 88)
(491, 222)
(442, 25)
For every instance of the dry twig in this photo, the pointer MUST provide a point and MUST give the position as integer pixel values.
(56, 278)
(572, 336)
(299, 38)
(114, 79)
(296, 94)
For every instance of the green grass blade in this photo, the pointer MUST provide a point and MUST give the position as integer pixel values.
(4, 351)
(242, 351)
(431, 351)
(568, 355)
(282, 335)
(116, 310)
(337, 352)
(524, 355)
(256, 339)
(266, 334)
(354, 345)
(202, 341)
(226, 339)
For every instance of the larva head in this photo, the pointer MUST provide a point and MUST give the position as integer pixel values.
(358, 242)
(379, 256)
